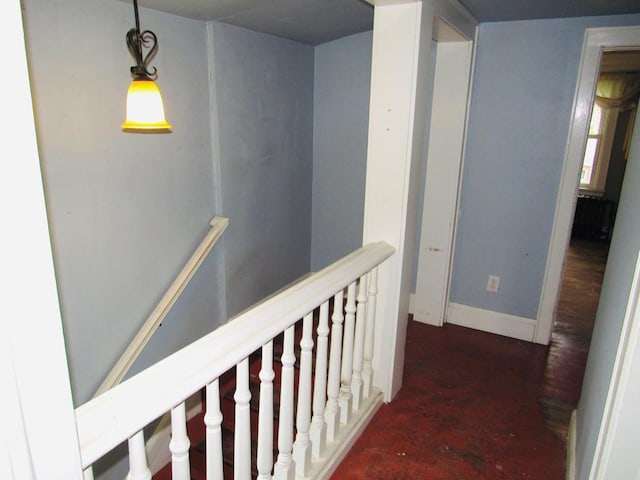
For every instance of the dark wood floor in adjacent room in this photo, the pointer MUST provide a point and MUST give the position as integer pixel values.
(479, 406)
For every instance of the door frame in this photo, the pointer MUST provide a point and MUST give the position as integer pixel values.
(596, 41)
(454, 62)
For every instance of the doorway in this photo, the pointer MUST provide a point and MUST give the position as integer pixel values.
(584, 265)
(596, 43)
(598, 196)
(451, 87)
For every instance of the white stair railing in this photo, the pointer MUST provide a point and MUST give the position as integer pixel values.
(332, 411)
(302, 445)
(138, 469)
(265, 416)
(322, 429)
(242, 430)
(318, 425)
(213, 422)
(358, 345)
(179, 444)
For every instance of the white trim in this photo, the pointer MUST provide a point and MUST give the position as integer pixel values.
(449, 113)
(42, 442)
(492, 322)
(570, 473)
(620, 397)
(397, 114)
(596, 39)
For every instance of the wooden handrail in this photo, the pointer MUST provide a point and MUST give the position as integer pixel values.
(119, 413)
(122, 366)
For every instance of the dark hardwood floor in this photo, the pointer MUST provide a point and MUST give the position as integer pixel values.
(577, 307)
(479, 406)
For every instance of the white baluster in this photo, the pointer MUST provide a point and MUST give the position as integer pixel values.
(332, 412)
(179, 444)
(138, 469)
(284, 468)
(302, 445)
(358, 344)
(367, 369)
(347, 355)
(318, 429)
(265, 414)
(213, 421)
(87, 474)
(242, 435)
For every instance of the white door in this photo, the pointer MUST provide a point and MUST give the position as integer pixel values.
(451, 87)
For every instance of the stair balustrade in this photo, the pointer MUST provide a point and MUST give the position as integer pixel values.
(326, 397)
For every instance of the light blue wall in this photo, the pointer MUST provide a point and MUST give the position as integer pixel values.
(625, 245)
(524, 82)
(341, 118)
(264, 91)
(126, 210)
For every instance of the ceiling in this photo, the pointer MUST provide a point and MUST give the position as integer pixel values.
(307, 21)
(508, 10)
(319, 21)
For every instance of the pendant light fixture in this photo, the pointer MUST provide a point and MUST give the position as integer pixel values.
(145, 110)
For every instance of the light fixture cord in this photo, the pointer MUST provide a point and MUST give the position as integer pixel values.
(135, 41)
(135, 12)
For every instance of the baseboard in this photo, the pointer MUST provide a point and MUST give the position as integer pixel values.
(492, 322)
(570, 473)
(338, 450)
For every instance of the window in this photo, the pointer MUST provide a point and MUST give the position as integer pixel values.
(591, 150)
(598, 149)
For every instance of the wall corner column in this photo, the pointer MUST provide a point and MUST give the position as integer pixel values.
(402, 36)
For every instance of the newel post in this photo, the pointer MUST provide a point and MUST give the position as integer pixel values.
(397, 115)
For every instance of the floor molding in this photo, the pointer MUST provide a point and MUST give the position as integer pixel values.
(570, 473)
(492, 322)
(347, 436)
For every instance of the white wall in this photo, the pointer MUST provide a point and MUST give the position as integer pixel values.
(341, 113)
(126, 210)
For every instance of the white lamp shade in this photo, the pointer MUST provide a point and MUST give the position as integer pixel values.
(145, 110)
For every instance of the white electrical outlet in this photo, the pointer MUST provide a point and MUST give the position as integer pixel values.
(493, 283)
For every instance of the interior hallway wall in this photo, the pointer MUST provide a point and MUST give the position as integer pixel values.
(264, 100)
(341, 117)
(524, 82)
(126, 211)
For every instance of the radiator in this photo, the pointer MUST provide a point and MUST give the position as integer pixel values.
(593, 218)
